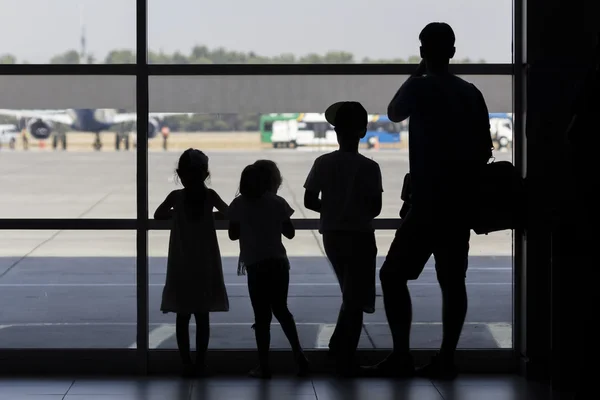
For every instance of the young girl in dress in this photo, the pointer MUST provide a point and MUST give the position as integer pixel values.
(258, 218)
(194, 283)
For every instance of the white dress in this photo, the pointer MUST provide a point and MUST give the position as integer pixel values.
(194, 282)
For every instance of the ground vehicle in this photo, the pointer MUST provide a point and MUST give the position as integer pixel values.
(306, 129)
(381, 129)
(266, 124)
(501, 129)
(292, 130)
(8, 136)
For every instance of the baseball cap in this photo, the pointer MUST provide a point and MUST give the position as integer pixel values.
(347, 114)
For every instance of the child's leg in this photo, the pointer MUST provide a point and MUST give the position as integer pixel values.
(278, 290)
(202, 336)
(279, 280)
(182, 332)
(262, 314)
(335, 250)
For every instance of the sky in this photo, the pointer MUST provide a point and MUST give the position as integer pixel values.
(367, 28)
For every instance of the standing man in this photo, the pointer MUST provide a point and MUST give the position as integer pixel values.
(165, 134)
(449, 142)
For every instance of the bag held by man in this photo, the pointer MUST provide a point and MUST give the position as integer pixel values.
(498, 202)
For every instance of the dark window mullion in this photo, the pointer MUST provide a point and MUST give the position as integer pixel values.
(142, 104)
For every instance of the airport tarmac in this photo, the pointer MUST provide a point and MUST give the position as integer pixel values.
(76, 289)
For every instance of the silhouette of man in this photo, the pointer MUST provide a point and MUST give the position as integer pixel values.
(449, 141)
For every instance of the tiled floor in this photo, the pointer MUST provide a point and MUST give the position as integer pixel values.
(281, 388)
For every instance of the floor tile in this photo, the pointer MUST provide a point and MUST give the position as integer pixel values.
(253, 389)
(21, 387)
(380, 389)
(32, 397)
(492, 388)
(156, 388)
(486, 380)
(185, 395)
(488, 392)
(279, 388)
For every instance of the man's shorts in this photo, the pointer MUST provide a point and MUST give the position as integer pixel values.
(417, 239)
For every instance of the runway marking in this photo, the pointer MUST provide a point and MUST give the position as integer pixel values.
(502, 334)
(324, 335)
(227, 284)
(158, 335)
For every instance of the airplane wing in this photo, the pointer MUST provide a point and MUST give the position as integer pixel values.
(58, 116)
(132, 117)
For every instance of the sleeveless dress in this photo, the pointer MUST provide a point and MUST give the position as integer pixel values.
(194, 282)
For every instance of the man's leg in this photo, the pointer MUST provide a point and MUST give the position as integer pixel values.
(451, 256)
(405, 261)
(454, 311)
(398, 308)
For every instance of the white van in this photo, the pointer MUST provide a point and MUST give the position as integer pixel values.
(308, 130)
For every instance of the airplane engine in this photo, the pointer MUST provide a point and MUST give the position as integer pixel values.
(39, 129)
(153, 128)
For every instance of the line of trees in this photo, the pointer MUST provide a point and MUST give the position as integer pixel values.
(204, 55)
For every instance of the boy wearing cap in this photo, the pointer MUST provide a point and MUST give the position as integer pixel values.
(350, 187)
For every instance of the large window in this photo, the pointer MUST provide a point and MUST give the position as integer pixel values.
(87, 153)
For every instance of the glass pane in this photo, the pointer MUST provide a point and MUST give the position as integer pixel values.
(270, 31)
(67, 289)
(58, 136)
(68, 32)
(238, 136)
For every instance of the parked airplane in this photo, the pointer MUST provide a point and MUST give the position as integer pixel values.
(39, 123)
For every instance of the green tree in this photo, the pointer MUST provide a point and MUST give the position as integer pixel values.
(338, 57)
(311, 58)
(158, 58)
(122, 56)
(285, 58)
(179, 58)
(7, 59)
(69, 57)
(199, 52)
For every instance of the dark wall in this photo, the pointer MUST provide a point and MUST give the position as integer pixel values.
(561, 270)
